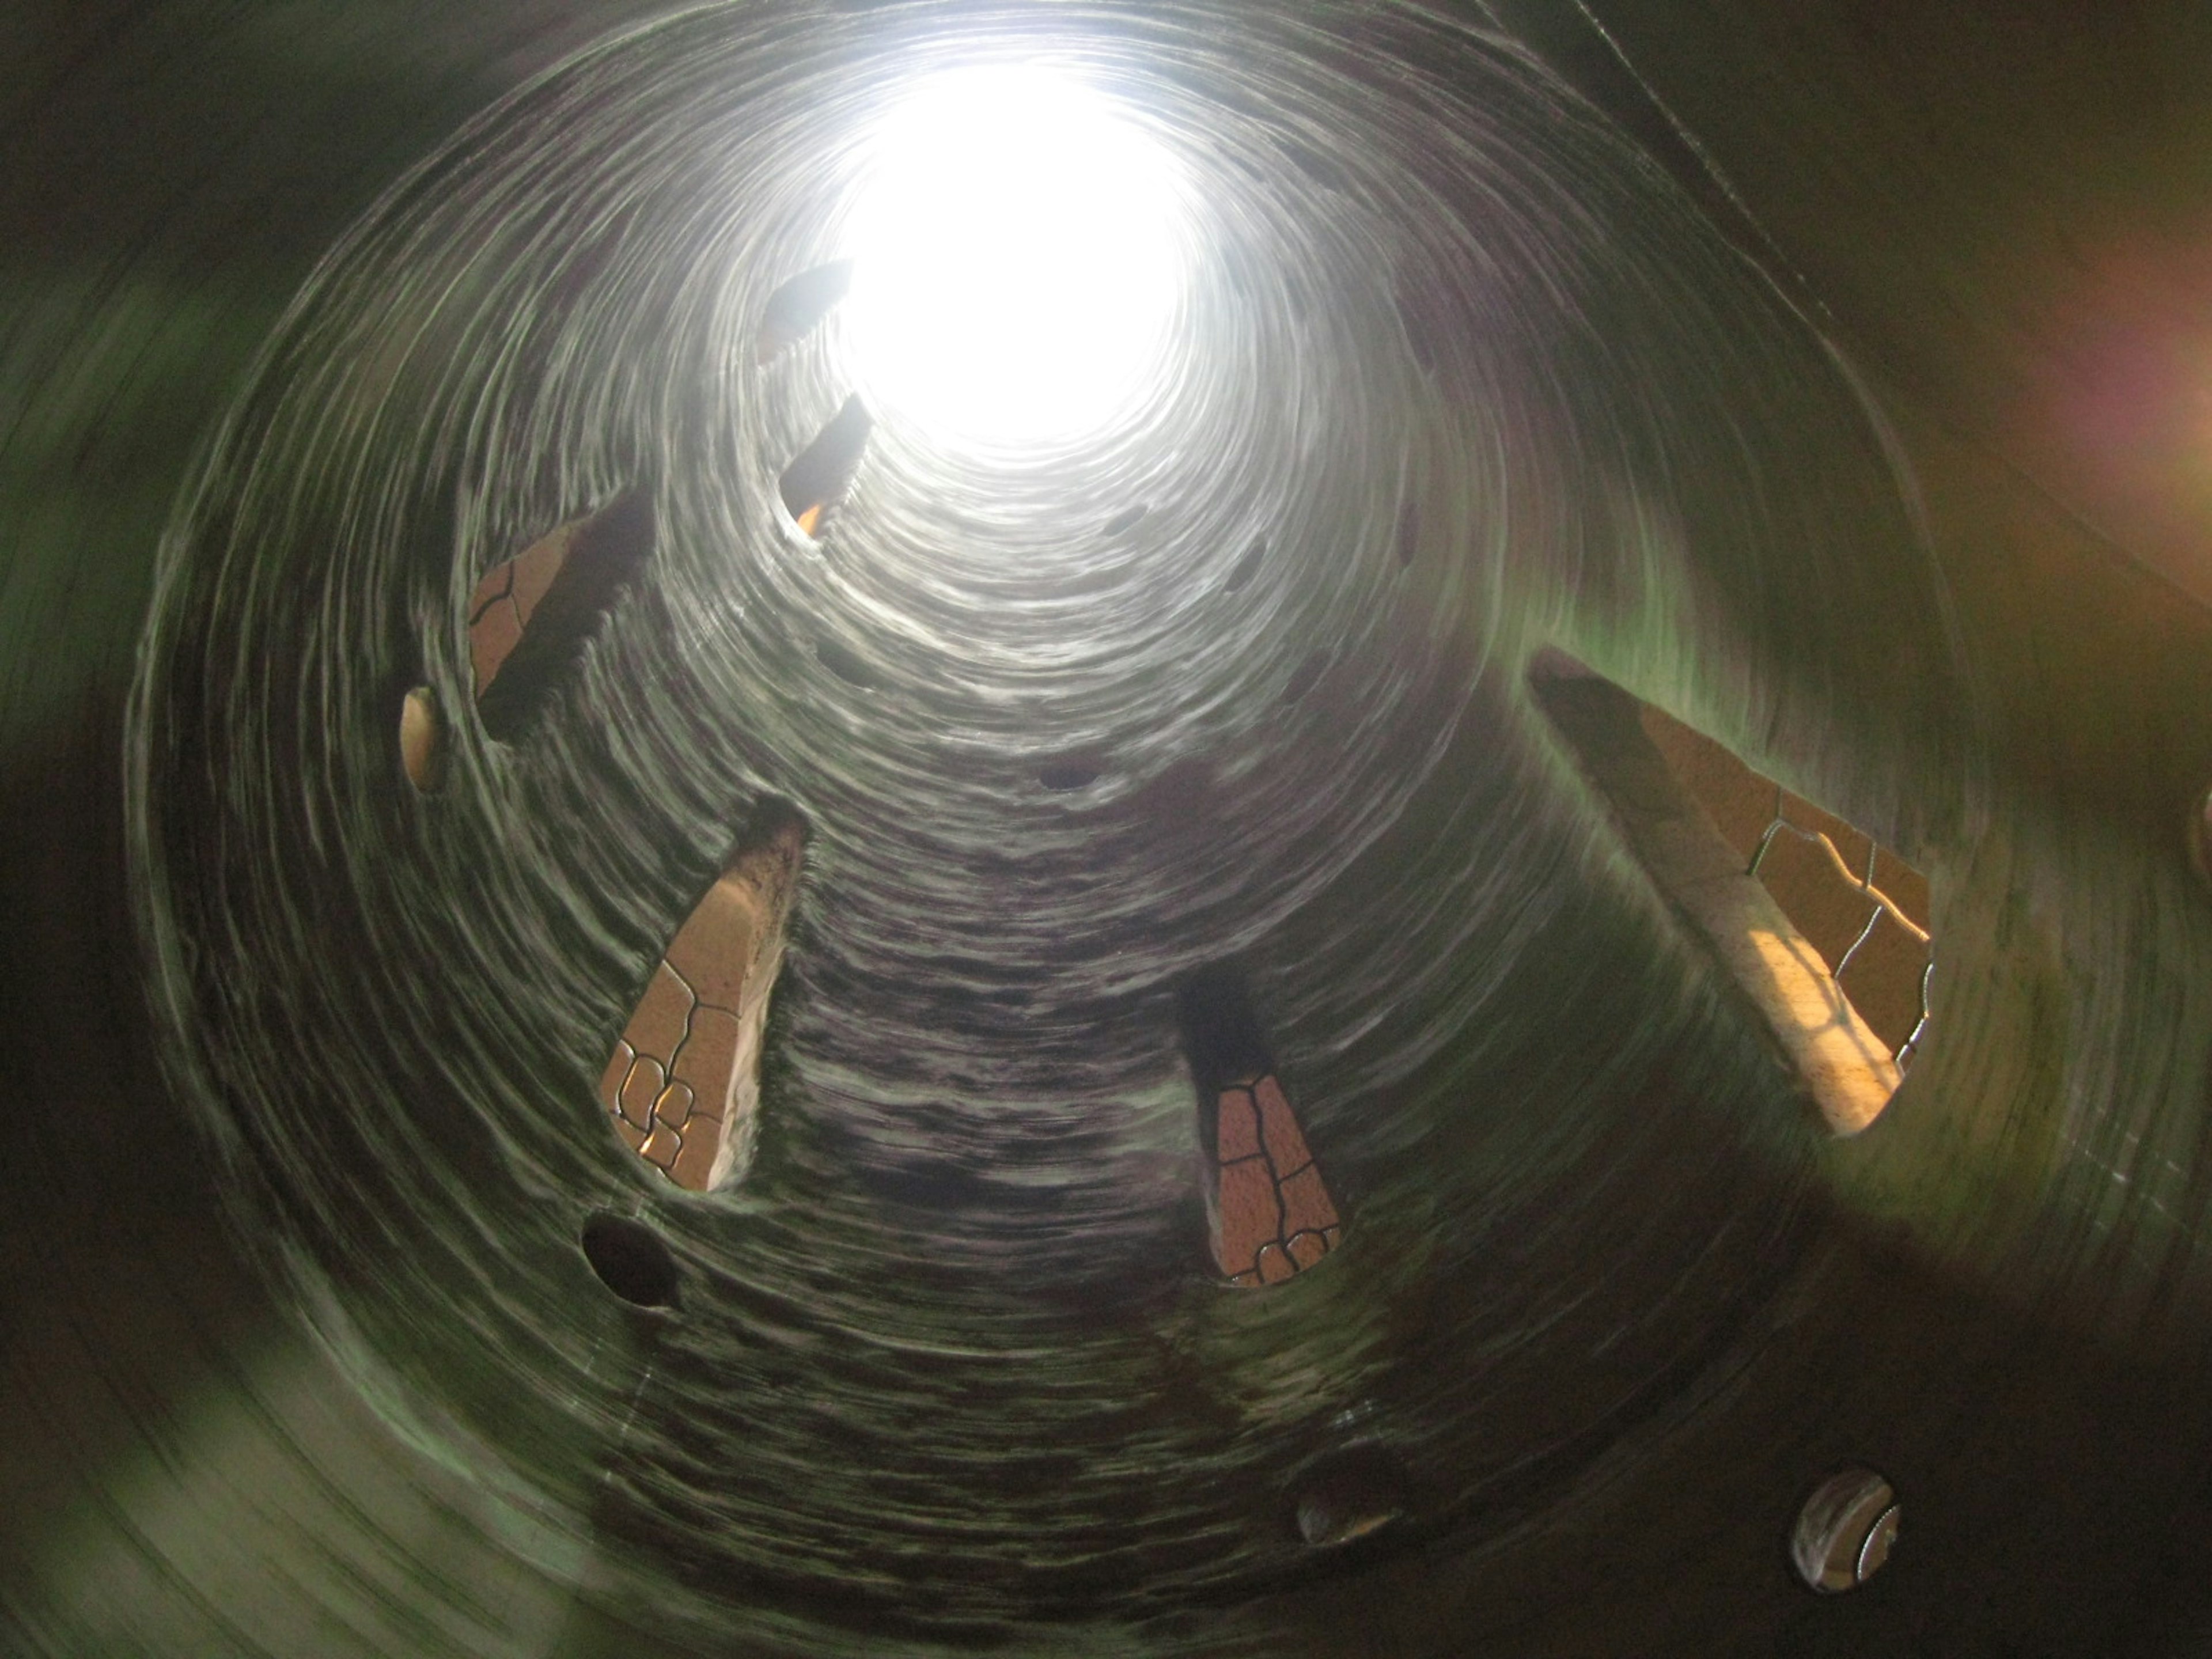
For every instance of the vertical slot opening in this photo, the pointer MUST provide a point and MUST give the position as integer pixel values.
(531, 615)
(682, 1087)
(1270, 1214)
(817, 481)
(797, 307)
(1825, 929)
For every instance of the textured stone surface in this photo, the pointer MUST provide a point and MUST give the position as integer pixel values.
(684, 1082)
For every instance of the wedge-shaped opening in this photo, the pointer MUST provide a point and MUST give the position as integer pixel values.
(796, 309)
(1270, 1214)
(816, 482)
(683, 1085)
(531, 615)
(1825, 930)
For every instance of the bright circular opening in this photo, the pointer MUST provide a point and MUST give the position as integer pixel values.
(1019, 258)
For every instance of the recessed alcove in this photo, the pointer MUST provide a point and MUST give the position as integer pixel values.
(798, 305)
(630, 1260)
(1270, 1212)
(531, 615)
(816, 482)
(682, 1086)
(1758, 874)
(1844, 1531)
(1077, 770)
(1348, 1495)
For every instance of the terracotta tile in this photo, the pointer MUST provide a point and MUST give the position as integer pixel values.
(633, 1136)
(1248, 1214)
(537, 567)
(714, 949)
(643, 1088)
(661, 1146)
(1274, 1266)
(492, 637)
(658, 1025)
(1306, 1206)
(673, 1107)
(708, 1058)
(693, 1168)
(496, 584)
(1306, 1248)
(1236, 1126)
(727, 951)
(1287, 1147)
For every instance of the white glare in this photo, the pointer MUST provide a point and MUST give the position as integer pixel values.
(1018, 258)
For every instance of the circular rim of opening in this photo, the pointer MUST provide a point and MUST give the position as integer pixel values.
(1844, 1530)
(630, 1258)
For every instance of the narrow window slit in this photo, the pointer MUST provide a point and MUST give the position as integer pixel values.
(796, 308)
(1247, 567)
(846, 664)
(532, 615)
(1825, 930)
(1271, 1213)
(817, 481)
(683, 1085)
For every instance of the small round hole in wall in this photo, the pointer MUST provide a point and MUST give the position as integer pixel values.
(630, 1260)
(846, 664)
(1845, 1531)
(422, 740)
(1347, 1496)
(1070, 772)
